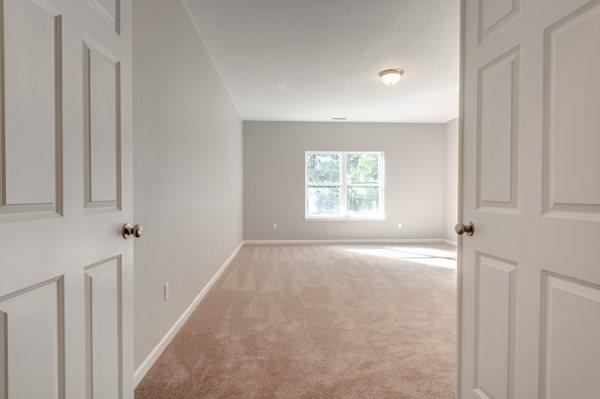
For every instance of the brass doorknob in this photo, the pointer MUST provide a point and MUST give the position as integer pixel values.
(129, 230)
(138, 230)
(464, 229)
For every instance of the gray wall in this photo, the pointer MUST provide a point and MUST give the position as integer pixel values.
(451, 179)
(188, 168)
(274, 179)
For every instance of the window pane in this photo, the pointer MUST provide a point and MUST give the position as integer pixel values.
(363, 200)
(323, 168)
(363, 168)
(324, 200)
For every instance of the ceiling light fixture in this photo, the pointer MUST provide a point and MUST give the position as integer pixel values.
(338, 118)
(390, 77)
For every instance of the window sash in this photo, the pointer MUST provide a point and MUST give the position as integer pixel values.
(345, 185)
(340, 169)
(379, 166)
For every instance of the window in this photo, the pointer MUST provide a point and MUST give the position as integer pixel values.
(344, 185)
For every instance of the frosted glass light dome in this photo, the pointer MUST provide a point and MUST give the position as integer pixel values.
(390, 77)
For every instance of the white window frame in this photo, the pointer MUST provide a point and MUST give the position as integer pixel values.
(344, 216)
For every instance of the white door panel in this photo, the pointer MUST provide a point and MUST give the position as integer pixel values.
(498, 129)
(65, 191)
(102, 128)
(570, 348)
(31, 321)
(495, 295)
(32, 108)
(572, 86)
(104, 308)
(530, 274)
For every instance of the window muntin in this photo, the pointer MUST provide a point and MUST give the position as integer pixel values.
(344, 185)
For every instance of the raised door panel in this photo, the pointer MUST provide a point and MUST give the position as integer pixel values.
(572, 138)
(31, 348)
(102, 128)
(495, 303)
(497, 133)
(109, 11)
(104, 329)
(570, 345)
(30, 130)
(495, 14)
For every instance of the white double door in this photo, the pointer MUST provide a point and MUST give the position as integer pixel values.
(531, 185)
(65, 191)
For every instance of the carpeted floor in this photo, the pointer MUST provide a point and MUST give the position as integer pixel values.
(319, 321)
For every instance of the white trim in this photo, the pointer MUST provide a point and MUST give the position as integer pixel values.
(459, 240)
(343, 219)
(146, 365)
(352, 241)
(450, 242)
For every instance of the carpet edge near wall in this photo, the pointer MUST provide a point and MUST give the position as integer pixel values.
(141, 371)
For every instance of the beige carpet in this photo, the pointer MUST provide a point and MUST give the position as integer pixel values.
(319, 321)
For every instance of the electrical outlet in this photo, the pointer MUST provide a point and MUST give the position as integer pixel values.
(275, 227)
(399, 225)
(166, 290)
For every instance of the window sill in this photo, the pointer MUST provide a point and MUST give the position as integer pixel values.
(343, 219)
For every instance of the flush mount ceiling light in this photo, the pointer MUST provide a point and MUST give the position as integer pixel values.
(390, 77)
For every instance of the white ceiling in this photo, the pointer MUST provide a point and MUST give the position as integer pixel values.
(311, 60)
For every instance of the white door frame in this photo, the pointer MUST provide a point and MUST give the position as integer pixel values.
(459, 239)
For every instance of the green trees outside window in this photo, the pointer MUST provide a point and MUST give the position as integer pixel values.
(344, 184)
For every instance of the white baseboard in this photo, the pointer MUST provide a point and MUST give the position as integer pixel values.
(141, 371)
(450, 242)
(352, 241)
